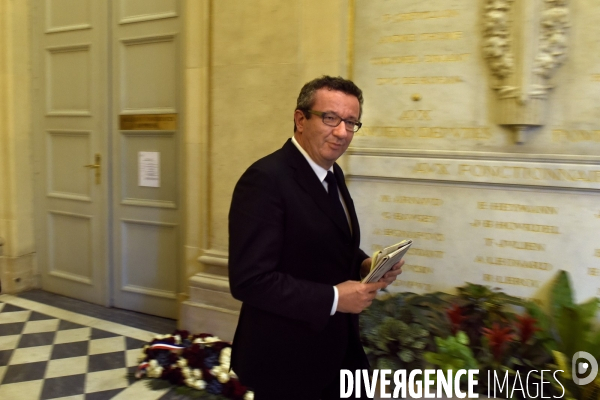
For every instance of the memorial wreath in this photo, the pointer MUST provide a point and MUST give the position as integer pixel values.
(198, 365)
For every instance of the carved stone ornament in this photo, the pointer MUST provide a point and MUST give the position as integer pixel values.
(525, 41)
(496, 47)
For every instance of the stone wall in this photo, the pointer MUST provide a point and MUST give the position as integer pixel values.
(480, 140)
(17, 257)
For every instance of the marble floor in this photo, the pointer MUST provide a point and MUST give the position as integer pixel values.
(53, 347)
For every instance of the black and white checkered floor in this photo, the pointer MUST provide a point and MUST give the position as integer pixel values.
(52, 353)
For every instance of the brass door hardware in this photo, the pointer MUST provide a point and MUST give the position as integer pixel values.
(96, 166)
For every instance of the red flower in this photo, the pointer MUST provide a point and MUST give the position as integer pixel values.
(202, 336)
(182, 333)
(234, 389)
(194, 355)
(169, 340)
(207, 375)
(498, 338)
(527, 327)
(218, 346)
(456, 317)
(173, 375)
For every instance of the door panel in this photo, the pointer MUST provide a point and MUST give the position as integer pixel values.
(146, 10)
(70, 128)
(70, 245)
(149, 74)
(64, 149)
(146, 85)
(67, 15)
(68, 80)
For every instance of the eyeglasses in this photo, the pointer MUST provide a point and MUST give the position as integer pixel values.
(331, 119)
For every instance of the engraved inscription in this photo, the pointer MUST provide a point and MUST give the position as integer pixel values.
(419, 269)
(413, 37)
(513, 244)
(416, 115)
(510, 280)
(482, 205)
(422, 15)
(425, 253)
(426, 168)
(596, 78)
(597, 252)
(410, 37)
(506, 172)
(516, 226)
(412, 285)
(593, 271)
(509, 262)
(575, 136)
(420, 80)
(410, 217)
(444, 58)
(423, 201)
(414, 59)
(441, 36)
(424, 132)
(407, 234)
(395, 60)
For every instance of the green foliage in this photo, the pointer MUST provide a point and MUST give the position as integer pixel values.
(573, 328)
(398, 329)
(484, 306)
(453, 353)
(408, 331)
(544, 322)
(573, 323)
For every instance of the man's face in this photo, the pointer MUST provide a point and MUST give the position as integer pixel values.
(323, 143)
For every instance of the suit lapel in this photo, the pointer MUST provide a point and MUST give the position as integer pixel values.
(308, 180)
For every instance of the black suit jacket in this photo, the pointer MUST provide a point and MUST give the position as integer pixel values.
(286, 252)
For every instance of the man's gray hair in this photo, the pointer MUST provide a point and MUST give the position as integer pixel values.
(306, 98)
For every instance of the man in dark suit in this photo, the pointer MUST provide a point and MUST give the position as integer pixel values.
(294, 257)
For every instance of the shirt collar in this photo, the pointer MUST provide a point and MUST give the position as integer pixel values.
(320, 171)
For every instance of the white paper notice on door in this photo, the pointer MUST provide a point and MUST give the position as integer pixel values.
(149, 168)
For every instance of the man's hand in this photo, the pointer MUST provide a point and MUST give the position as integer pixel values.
(355, 296)
(390, 276)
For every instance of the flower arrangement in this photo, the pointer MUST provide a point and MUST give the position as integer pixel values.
(486, 329)
(198, 363)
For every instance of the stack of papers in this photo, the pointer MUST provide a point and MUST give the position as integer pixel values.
(383, 260)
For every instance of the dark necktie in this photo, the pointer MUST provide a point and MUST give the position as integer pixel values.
(334, 197)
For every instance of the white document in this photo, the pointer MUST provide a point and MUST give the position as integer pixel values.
(383, 261)
(149, 168)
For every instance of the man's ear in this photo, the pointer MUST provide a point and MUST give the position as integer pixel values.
(299, 119)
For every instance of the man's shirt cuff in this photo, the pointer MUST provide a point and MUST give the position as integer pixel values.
(335, 300)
